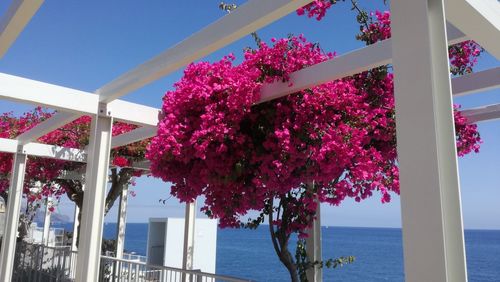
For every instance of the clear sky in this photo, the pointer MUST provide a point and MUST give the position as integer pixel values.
(85, 44)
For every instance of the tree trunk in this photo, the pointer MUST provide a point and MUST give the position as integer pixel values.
(280, 242)
(287, 260)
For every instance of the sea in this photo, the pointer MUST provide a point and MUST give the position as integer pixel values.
(378, 253)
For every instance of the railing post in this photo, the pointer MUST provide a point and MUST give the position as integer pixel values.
(76, 222)
(313, 248)
(430, 193)
(96, 177)
(8, 251)
(189, 226)
(121, 223)
(46, 222)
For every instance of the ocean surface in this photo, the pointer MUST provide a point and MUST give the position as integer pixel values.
(378, 251)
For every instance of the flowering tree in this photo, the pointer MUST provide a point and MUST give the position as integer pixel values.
(47, 173)
(280, 158)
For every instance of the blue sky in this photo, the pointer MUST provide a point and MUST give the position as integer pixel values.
(85, 44)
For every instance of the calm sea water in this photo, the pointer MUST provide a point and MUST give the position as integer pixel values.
(378, 251)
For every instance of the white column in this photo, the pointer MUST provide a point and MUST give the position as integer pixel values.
(12, 216)
(430, 194)
(74, 247)
(46, 222)
(121, 223)
(96, 177)
(313, 248)
(189, 226)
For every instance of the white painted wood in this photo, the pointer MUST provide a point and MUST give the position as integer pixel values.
(46, 127)
(248, 18)
(121, 223)
(476, 82)
(46, 222)
(15, 20)
(430, 193)
(141, 165)
(485, 113)
(135, 135)
(133, 113)
(72, 175)
(479, 20)
(314, 249)
(55, 152)
(12, 217)
(96, 177)
(47, 95)
(350, 63)
(8, 145)
(76, 222)
(189, 229)
(44, 150)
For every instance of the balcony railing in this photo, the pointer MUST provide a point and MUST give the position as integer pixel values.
(36, 262)
(113, 269)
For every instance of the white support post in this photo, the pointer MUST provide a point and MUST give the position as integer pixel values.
(46, 222)
(189, 227)
(76, 222)
(96, 178)
(313, 248)
(12, 218)
(430, 193)
(121, 223)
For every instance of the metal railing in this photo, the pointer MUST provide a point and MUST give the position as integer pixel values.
(121, 270)
(36, 262)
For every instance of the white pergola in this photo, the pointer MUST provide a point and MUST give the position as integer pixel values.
(421, 32)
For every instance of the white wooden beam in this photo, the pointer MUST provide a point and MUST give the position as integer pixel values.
(47, 95)
(15, 20)
(46, 127)
(142, 165)
(248, 18)
(133, 113)
(43, 150)
(8, 250)
(476, 82)
(135, 135)
(8, 145)
(479, 20)
(73, 175)
(55, 152)
(71, 103)
(433, 241)
(485, 113)
(354, 62)
(96, 177)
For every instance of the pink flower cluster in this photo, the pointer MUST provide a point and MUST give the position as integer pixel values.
(463, 56)
(377, 29)
(316, 9)
(215, 139)
(468, 139)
